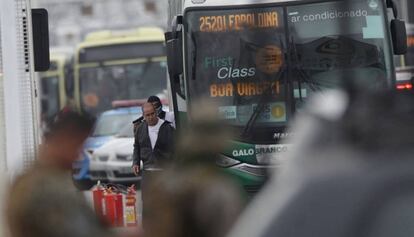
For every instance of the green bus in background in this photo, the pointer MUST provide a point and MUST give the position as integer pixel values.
(259, 61)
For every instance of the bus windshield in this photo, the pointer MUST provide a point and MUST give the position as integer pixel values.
(100, 86)
(409, 56)
(261, 63)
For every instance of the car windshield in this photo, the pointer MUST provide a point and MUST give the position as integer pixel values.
(126, 131)
(260, 68)
(100, 86)
(109, 125)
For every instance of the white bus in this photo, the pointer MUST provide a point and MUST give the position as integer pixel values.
(19, 123)
(24, 49)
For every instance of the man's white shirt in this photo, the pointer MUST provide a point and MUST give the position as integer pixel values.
(153, 132)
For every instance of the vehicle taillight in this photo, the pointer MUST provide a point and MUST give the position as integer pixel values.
(406, 86)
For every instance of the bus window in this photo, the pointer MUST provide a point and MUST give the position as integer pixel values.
(53, 83)
(409, 56)
(119, 66)
(235, 62)
(332, 55)
(121, 82)
(50, 97)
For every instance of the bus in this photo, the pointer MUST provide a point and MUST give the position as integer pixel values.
(56, 84)
(119, 65)
(259, 61)
(405, 63)
(24, 50)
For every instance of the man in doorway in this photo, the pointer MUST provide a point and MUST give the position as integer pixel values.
(153, 146)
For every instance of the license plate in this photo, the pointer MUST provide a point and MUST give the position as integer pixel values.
(126, 171)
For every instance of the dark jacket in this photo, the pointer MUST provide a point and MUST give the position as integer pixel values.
(162, 152)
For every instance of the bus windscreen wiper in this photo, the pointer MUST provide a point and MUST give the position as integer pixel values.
(303, 77)
(264, 98)
(294, 53)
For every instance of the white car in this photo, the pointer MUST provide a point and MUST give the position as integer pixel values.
(114, 159)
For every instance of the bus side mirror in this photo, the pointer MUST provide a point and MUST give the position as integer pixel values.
(174, 55)
(399, 37)
(40, 27)
(391, 4)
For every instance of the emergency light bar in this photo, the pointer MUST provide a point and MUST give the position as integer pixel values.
(128, 103)
(132, 103)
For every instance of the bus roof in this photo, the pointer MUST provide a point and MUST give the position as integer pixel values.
(60, 57)
(107, 37)
(67, 51)
(211, 3)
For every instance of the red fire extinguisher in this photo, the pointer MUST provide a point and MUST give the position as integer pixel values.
(114, 213)
(98, 198)
(130, 209)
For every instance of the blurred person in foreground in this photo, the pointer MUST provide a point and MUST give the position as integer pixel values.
(351, 172)
(193, 197)
(43, 202)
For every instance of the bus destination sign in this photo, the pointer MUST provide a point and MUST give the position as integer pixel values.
(239, 22)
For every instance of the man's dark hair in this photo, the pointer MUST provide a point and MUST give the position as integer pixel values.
(155, 99)
(70, 121)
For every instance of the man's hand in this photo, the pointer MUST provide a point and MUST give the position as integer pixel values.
(136, 169)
